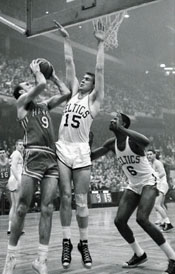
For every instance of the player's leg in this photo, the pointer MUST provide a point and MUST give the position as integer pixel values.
(81, 178)
(48, 194)
(160, 207)
(145, 207)
(25, 197)
(65, 186)
(12, 209)
(128, 203)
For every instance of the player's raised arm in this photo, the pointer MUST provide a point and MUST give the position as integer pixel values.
(56, 100)
(71, 79)
(97, 95)
(38, 88)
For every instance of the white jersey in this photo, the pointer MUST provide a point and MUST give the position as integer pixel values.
(136, 167)
(19, 164)
(76, 121)
(163, 184)
(12, 182)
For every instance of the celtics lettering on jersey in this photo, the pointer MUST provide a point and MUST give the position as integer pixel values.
(79, 112)
(129, 160)
(76, 120)
(136, 167)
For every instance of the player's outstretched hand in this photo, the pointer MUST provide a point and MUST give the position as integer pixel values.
(99, 30)
(34, 66)
(62, 30)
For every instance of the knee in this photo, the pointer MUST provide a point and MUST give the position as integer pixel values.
(22, 210)
(66, 197)
(81, 205)
(47, 210)
(119, 222)
(141, 219)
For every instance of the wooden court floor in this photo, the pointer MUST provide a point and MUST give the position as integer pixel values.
(107, 248)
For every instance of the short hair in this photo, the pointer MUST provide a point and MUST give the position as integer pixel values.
(19, 141)
(152, 150)
(126, 120)
(16, 92)
(92, 75)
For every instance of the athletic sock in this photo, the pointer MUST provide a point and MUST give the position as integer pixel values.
(83, 233)
(11, 251)
(167, 249)
(9, 228)
(137, 249)
(167, 220)
(66, 232)
(43, 252)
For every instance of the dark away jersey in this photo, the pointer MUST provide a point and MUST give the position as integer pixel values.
(37, 125)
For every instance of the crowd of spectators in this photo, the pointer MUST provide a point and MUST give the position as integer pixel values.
(135, 99)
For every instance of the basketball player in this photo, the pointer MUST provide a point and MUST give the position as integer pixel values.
(73, 148)
(40, 164)
(4, 174)
(14, 182)
(163, 189)
(129, 147)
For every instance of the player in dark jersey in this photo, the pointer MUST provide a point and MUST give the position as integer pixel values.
(129, 145)
(40, 163)
(4, 174)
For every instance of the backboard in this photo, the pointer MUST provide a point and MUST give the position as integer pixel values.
(35, 17)
(40, 14)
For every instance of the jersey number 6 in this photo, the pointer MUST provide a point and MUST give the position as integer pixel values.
(131, 170)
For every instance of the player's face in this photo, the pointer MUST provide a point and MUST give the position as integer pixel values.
(87, 83)
(117, 120)
(26, 86)
(20, 146)
(2, 154)
(150, 155)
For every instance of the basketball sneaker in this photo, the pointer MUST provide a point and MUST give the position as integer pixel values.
(167, 227)
(85, 254)
(10, 265)
(171, 268)
(66, 253)
(135, 261)
(40, 267)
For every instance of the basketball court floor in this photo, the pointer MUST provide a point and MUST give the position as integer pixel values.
(107, 248)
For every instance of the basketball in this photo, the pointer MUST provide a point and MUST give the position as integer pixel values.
(45, 67)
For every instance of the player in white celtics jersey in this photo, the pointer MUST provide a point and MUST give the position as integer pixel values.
(163, 187)
(14, 181)
(129, 147)
(73, 149)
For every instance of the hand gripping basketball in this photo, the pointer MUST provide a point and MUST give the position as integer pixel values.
(45, 67)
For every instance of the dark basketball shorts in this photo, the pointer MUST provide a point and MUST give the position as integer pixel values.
(40, 163)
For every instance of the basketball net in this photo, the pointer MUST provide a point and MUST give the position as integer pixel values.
(111, 23)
